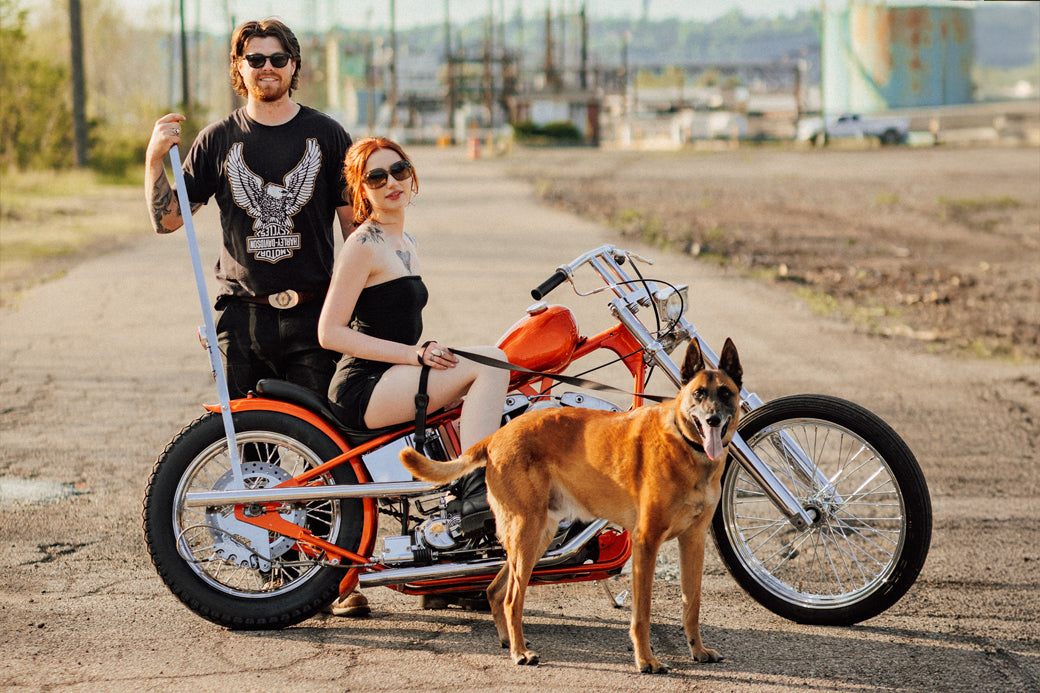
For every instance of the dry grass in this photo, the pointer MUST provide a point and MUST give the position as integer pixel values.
(51, 220)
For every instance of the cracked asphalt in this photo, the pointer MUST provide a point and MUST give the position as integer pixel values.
(101, 367)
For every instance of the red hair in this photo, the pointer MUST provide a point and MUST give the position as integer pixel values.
(354, 172)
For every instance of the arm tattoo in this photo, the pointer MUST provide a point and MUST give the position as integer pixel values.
(163, 202)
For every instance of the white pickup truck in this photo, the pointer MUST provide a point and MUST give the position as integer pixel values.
(887, 130)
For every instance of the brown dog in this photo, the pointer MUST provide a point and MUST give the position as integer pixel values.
(654, 470)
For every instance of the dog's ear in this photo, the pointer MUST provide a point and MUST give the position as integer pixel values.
(729, 362)
(693, 363)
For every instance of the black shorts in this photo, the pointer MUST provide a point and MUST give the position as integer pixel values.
(351, 389)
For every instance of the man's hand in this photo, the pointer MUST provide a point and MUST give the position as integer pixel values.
(165, 134)
(164, 209)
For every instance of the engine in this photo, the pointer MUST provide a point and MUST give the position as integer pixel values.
(461, 520)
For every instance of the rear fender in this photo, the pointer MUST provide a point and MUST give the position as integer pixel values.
(253, 403)
(294, 410)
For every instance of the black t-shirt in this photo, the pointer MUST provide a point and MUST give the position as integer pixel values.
(277, 189)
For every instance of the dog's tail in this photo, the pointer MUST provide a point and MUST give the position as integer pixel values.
(437, 472)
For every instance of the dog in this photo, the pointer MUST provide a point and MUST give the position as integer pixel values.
(655, 470)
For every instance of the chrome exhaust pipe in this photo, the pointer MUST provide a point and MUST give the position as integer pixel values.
(303, 494)
(445, 571)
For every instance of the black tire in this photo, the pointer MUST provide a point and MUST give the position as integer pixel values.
(890, 137)
(875, 525)
(221, 581)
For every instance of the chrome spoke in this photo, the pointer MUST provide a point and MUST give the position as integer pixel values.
(207, 536)
(853, 547)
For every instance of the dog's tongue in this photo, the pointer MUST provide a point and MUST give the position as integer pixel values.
(713, 441)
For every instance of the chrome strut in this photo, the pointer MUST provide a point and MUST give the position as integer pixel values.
(446, 571)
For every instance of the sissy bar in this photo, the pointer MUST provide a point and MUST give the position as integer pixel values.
(207, 316)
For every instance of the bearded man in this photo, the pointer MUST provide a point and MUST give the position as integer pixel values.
(275, 168)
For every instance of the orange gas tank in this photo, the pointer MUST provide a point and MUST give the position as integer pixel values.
(542, 341)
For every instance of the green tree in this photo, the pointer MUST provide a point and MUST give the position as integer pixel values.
(35, 117)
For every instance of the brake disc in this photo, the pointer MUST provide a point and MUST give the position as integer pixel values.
(227, 541)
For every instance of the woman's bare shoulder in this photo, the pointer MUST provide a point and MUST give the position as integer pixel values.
(368, 233)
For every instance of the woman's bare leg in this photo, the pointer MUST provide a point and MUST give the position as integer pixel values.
(484, 389)
(482, 410)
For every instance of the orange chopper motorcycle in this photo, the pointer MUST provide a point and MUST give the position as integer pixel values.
(262, 511)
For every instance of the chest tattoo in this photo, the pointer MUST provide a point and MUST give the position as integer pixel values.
(406, 258)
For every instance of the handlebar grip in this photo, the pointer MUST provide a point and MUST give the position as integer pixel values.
(543, 289)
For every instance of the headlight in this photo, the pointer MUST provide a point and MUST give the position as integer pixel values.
(671, 301)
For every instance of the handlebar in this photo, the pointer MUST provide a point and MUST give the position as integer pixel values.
(542, 290)
(565, 272)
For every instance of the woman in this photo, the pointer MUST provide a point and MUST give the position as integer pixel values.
(373, 312)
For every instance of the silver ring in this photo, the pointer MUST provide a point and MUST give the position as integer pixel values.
(438, 352)
(176, 131)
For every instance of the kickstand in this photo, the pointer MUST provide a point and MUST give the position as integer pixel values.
(618, 601)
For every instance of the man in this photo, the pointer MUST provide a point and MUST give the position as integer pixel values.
(275, 169)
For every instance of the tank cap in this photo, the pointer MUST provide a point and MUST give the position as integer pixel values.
(537, 308)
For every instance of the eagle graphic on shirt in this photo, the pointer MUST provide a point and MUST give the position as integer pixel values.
(271, 205)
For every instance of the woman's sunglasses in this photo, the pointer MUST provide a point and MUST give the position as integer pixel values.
(377, 177)
(258, 60)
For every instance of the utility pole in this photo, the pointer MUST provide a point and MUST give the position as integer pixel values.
(561, 60)
(231, 32)
(185, 84)
(624, 70)
(79, 90)
(370, 81)
(583, 80)
(551, 79)
(449, 72)
(393, 64)
(489, 80)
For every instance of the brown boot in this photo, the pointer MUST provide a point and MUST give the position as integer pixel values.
(352, 605)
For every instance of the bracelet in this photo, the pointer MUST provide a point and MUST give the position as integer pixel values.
(422, 351)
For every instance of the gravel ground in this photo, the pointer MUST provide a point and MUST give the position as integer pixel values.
(938, 245)
(101, 367)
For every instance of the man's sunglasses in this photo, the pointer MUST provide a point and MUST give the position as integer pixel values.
(377, 177)
(258, 60)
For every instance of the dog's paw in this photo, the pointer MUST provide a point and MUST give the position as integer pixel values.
(526, 657)
(705, 656)
(653, 667)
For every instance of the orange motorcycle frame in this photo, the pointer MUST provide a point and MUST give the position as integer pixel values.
(615, 547)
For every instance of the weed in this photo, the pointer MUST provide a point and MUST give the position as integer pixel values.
(53, 219)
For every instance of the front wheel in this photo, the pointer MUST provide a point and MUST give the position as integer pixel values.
(874, 523)
(226, 570)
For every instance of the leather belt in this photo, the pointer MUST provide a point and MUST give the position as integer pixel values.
(283, 299)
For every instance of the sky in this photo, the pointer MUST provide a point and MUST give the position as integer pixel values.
(310, 14)
(315, 15)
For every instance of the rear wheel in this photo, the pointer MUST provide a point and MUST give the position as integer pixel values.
(875, 520)
(890, 137)
(226, 570)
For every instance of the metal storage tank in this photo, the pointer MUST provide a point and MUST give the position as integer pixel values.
(878, 57)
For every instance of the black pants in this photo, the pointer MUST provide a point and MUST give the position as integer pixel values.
(260, 341)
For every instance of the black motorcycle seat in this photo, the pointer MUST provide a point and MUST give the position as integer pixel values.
(284, 391)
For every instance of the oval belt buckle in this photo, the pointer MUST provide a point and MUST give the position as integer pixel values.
(284, 299)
